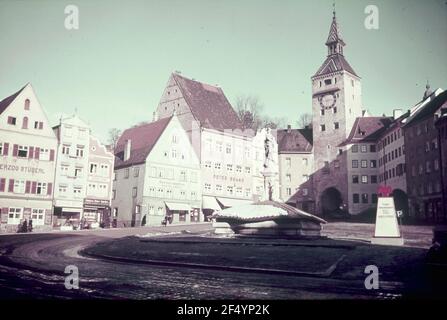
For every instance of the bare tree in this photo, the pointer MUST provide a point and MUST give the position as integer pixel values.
(114, 135)
(305, 120)
(249, 110)
(274, 123)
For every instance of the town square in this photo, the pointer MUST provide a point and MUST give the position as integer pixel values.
(204, 150)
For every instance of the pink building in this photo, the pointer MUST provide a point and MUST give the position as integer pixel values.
(99, 185)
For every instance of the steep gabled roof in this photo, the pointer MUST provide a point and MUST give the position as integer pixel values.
(367, 129)
(294, 140)
(143, 138)
(334, 63)
(4, 104)
(208, 104)
(436, 102)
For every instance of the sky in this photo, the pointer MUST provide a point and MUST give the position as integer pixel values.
(113, 69)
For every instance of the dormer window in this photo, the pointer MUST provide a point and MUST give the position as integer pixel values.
(27, 103)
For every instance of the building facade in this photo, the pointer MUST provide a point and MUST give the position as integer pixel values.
(225, 151)
(441, 125)
(98, 198)
(27, 162)
(296, 163)
(71, 171)
(423, 159)
(336, 103)
(157, 175)
(363, 159)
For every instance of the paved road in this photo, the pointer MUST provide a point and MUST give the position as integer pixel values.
(32, 265)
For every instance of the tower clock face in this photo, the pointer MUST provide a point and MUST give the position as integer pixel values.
(327, 101)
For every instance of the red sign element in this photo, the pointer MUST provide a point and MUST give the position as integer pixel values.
(384, 191)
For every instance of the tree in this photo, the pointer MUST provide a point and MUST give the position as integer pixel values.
(249, 110)
(114, 135)
(305, 120)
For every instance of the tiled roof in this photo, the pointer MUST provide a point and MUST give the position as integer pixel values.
(334, 33)
(143, 138)
(334, 63)
(367, 129)
(430, 107)
(294, 140)
(7, 101)
(208, 104)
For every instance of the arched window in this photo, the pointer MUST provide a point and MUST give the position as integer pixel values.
(25, 123)
(27, 102)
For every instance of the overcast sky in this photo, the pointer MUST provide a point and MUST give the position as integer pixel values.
(113, 69)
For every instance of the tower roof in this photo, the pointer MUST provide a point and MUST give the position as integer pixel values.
(335, 60)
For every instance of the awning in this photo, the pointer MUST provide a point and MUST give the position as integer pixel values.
(178, 206)
(210, 203)
(228, 202)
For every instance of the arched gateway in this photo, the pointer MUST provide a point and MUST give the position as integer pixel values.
(331, 201)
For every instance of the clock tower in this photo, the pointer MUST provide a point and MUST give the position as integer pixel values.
(336, 103)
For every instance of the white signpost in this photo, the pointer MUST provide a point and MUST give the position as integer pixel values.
(387, 230)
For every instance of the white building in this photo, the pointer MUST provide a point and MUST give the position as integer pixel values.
(157, 174)
(225, 151)
(27, 161)
(71, 170)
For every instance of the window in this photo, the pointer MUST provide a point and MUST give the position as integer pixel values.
(355, 198)
(355, 148)
(355, 163)
(247, 169)
(12, 121)
(93, 167)
(44, 154)
(229, 167)
(22, 151)
(66, 149)
(305, 177)
(336, 164)
(247, 192)
(62, 189)
(327, 82)
(288, 177)
(335, 109)
(288, 162)
(428, 167)
(373, 179)
(174, 153)
(364, 198)
(38, 215)
(355, 179)
(79, 152)
(41, 188)
(15, 215)
(207, 164)
(289, 191)
(305, 191)
(19, 186)
(217, 165)
(322, 112)
(64, 170)
(208, 187)
(134, 192)
(336, 125)
(374, 198)
(218, 188)
(25, 123)
(78, 172)
(137, 209)
(228, 148)
(68, 132)
(174, 138)
(230, 190)
(27, 103)
(364, 164)
(322, 127)
(364, 179)
(126, 173)
(436, 164)
(182, 175)
(372, 148)
(373, 163)
(136, 172)
(363, 148)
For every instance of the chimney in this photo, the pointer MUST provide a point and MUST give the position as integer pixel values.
(127, 149)
(289, 128)
(397, 113)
